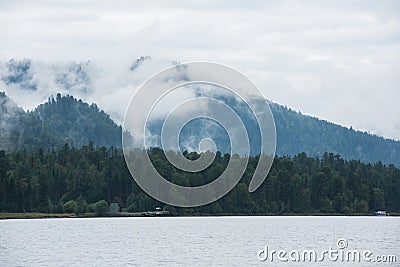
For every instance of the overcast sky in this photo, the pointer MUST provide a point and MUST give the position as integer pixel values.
(337, 60)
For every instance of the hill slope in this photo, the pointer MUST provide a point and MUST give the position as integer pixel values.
(66, 119)
(299, 133)
(9, 111)
(58, 121)
(76, 122)
(295, 132)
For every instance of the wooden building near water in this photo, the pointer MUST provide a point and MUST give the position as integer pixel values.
(116, 205)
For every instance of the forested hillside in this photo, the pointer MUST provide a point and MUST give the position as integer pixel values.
(47, 181)
(298, 133)
(76, 122)
(64, 119)
(60, 120)
(9, 128)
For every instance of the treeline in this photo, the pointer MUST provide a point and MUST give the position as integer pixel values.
(79, 179)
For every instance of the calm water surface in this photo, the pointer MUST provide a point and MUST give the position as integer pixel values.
(190, 241)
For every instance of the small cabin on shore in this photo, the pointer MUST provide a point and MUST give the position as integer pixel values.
(116, 205)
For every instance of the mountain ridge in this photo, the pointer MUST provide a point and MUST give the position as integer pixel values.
(65, 119)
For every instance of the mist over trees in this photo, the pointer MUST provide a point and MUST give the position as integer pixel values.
(62, 119)
(65, 156)
(76, 180)
(65, 119)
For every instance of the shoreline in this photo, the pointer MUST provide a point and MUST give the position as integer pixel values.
(36, 215)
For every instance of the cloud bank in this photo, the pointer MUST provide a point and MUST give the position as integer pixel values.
(338, 60)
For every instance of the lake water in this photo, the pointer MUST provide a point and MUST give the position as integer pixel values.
(192, 241)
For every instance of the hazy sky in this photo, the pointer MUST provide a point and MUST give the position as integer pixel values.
(337, 60)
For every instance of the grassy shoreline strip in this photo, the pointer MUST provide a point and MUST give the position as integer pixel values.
(35, 215)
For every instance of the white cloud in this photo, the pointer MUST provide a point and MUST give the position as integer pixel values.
(337, 60)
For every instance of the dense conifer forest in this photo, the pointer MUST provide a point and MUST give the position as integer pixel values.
(79, 180)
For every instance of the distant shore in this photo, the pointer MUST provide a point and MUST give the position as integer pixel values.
(38, 215)
(35, 215)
